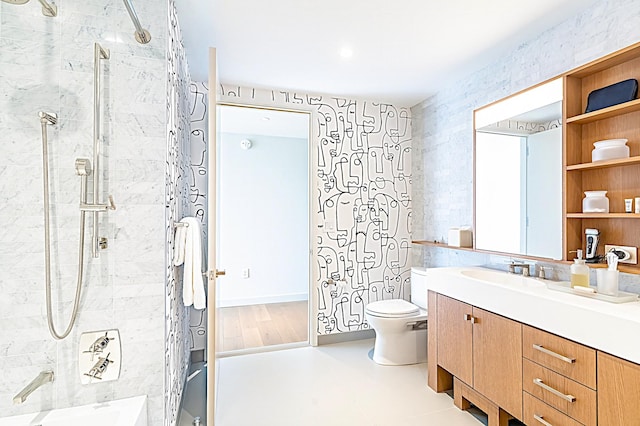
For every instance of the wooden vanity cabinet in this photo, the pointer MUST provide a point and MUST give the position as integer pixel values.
(618, 391)
(455, 338)
(559, 375)
(507, 368)
(481, 349)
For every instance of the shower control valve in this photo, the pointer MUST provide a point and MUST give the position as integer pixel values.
(99, 368)
(99, 345)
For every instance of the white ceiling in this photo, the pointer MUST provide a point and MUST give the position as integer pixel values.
(403, 50)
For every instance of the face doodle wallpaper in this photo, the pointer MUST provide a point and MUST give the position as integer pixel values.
(361, 200)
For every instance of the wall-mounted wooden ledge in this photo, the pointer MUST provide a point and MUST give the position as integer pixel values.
(475, 250)
(443, 245)
(627, 269)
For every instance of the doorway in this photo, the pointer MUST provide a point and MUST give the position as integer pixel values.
(263, 228)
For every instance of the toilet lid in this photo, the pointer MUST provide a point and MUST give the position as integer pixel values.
(396, 308)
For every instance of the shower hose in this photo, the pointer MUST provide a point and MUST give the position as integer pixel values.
(46, 119)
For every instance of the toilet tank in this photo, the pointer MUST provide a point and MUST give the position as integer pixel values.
(419, 286)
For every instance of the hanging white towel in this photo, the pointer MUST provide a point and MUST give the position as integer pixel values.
(193, 292)
(178, 246)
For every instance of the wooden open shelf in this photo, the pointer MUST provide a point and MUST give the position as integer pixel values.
(605, 164)
(601, 114)
(620, 177)
(603, 216)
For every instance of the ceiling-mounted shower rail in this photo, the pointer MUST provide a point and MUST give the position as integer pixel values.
(142, 35)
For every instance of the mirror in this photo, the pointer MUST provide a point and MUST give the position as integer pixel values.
(518, 173)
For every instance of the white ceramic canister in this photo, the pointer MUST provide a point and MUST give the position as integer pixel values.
(595, 202)
(610, 149)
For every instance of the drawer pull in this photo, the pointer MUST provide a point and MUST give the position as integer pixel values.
(541, 420)
(568, 398)
(553, 354)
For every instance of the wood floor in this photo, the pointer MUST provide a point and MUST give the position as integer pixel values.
(252, 326)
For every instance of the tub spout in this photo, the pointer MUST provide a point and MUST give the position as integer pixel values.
(43, 378)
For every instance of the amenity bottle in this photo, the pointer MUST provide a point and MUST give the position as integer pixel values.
(579, 272)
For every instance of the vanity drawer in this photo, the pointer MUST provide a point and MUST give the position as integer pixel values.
(563, 356)
(563, 394)
(537, 413)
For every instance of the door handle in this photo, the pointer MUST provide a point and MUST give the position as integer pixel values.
(214, 274)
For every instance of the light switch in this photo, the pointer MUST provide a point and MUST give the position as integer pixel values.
(245, 273)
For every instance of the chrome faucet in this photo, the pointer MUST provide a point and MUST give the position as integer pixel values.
(523, 266)
(43, 378)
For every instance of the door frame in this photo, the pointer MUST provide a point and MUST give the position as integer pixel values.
(312, 296)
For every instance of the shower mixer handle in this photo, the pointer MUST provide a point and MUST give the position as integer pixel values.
(112, 204)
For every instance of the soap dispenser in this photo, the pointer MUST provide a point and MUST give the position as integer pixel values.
(579, 272)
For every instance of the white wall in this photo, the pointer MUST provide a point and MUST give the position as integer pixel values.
(443, 128)
(263, 219)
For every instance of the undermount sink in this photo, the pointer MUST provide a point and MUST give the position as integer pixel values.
(504, 278)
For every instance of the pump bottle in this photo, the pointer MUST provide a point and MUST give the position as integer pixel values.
(579, 272)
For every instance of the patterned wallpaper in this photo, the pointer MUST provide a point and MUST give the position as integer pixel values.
(198, 191)
(361, 199)
(177, 172)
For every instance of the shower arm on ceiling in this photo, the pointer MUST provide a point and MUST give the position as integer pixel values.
(50, 10)
(142, 35)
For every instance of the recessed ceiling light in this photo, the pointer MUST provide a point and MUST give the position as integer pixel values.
(346, 52)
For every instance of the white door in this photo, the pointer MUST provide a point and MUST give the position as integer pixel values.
(212, 362)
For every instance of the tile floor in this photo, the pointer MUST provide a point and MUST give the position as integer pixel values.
(330, 385)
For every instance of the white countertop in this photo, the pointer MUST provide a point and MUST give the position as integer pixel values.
(609, 327)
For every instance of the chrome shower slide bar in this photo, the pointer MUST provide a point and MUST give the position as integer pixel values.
(99, 54)
(142, 35)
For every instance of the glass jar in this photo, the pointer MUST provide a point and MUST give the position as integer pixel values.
(595, 202)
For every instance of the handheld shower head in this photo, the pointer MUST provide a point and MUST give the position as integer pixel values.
(83, 167)
(16, 1)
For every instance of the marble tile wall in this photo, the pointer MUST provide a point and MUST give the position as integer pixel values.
(47, 64)
(443, 133)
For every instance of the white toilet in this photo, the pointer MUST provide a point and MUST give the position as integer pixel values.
(400, 326)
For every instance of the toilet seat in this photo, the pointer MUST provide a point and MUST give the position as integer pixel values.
(393, 308)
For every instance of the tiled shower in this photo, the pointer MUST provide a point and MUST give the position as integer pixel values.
(46, 64)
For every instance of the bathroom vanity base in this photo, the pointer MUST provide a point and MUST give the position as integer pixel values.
(464, 396)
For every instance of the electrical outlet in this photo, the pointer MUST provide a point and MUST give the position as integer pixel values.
(245, 273)
(633, 253)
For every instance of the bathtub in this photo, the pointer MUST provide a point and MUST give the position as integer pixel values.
(121, 412)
